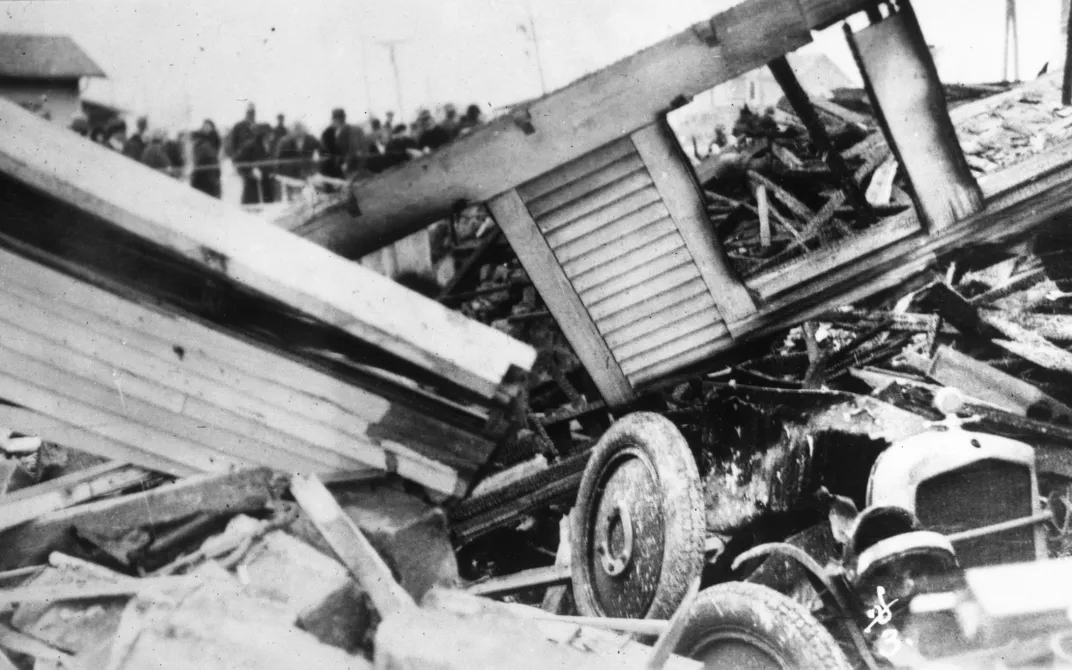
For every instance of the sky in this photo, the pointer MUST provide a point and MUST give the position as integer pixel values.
(181, 61)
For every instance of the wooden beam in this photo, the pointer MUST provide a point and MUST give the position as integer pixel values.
(77, 487)
(908, 99)
(232, 493)
(681, 194)
(551, 281)
(526, 579)
(184, 368)
(351, 546)
(571, 122)
(226, 243)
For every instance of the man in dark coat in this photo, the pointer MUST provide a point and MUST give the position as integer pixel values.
(155, 155)
(345, 147)
(295, 153)
(135, 144)
(242, 133)
(251, 158)
(206, 174)
(431, 135)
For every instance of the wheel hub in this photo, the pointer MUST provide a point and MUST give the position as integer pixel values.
(615, 563)
(626, 528)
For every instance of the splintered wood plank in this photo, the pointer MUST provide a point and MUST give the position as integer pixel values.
(351, 546)
(681, 194)
(908, 99)
(573, 121)
(235, 492)
(226, 242)
(555, 288)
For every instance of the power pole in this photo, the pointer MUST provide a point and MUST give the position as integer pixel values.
(536, 47)
(365, 71)
(392, 46)
(1012, 38)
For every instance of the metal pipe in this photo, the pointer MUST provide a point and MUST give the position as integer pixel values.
(1000, 527)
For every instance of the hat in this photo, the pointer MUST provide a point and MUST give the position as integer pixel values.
(338, 113)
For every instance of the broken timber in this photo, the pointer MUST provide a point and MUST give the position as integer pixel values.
(571, 122)
(149, 324)
(238, 248)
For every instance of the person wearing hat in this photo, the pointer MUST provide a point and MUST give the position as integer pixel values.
(450, 122)
(206, 159)
(135, 144)
(344, 145)
(257, 182)
(155, 155)
(242, 133)
(430, 135)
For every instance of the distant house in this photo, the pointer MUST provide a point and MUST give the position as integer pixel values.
(818, 75)
(44, 73)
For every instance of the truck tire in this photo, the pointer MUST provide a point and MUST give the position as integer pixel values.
(639, 522)
(738, 625)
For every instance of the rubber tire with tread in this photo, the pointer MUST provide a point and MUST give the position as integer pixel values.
(681, 500)
(787, 628)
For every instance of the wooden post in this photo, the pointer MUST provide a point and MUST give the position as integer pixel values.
(1066, 89)
(798, 98)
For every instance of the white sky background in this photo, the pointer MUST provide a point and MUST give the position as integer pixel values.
(183, 60)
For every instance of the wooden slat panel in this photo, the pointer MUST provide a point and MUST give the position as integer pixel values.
(685, 324)
(146, 405)
(677, 185)
(574, 170)
(646, 230)
(547, 275)
(650, 271)
(148, 357)
(67, 434)
(619, 169)
(225, 242)
(599, 260)
(662, 318)
(659, 370)
(588, 237)
(596, 200)
(624, 263)
(630, 204)
(658, 285)
(343, 444)
(254, 382)
(688, 343)
(695, 290)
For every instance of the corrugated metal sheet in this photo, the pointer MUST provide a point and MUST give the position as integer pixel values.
(617, 243)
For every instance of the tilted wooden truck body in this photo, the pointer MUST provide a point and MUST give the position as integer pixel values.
(605, 213)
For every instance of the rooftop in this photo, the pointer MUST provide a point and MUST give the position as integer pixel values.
(44, 57)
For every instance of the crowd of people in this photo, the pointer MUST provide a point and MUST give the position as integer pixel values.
(266, 156)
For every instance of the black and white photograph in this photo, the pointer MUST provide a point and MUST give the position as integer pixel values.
(535, 334)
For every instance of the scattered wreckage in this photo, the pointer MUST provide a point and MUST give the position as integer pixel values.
(841, 504)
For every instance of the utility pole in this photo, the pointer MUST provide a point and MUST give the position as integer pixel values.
(365, 71)
(536, 47)
(392, 46)
(1012, 38)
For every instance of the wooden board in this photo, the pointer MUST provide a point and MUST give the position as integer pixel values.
(572, 316)
(233, 246)
(233, 492)
(571, 122)
(673, 177)
(907, 97)
(125, 381)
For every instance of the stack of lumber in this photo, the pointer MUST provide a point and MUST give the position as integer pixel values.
(151, 324)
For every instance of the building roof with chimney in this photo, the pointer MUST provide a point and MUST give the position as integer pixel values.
(44, 57)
